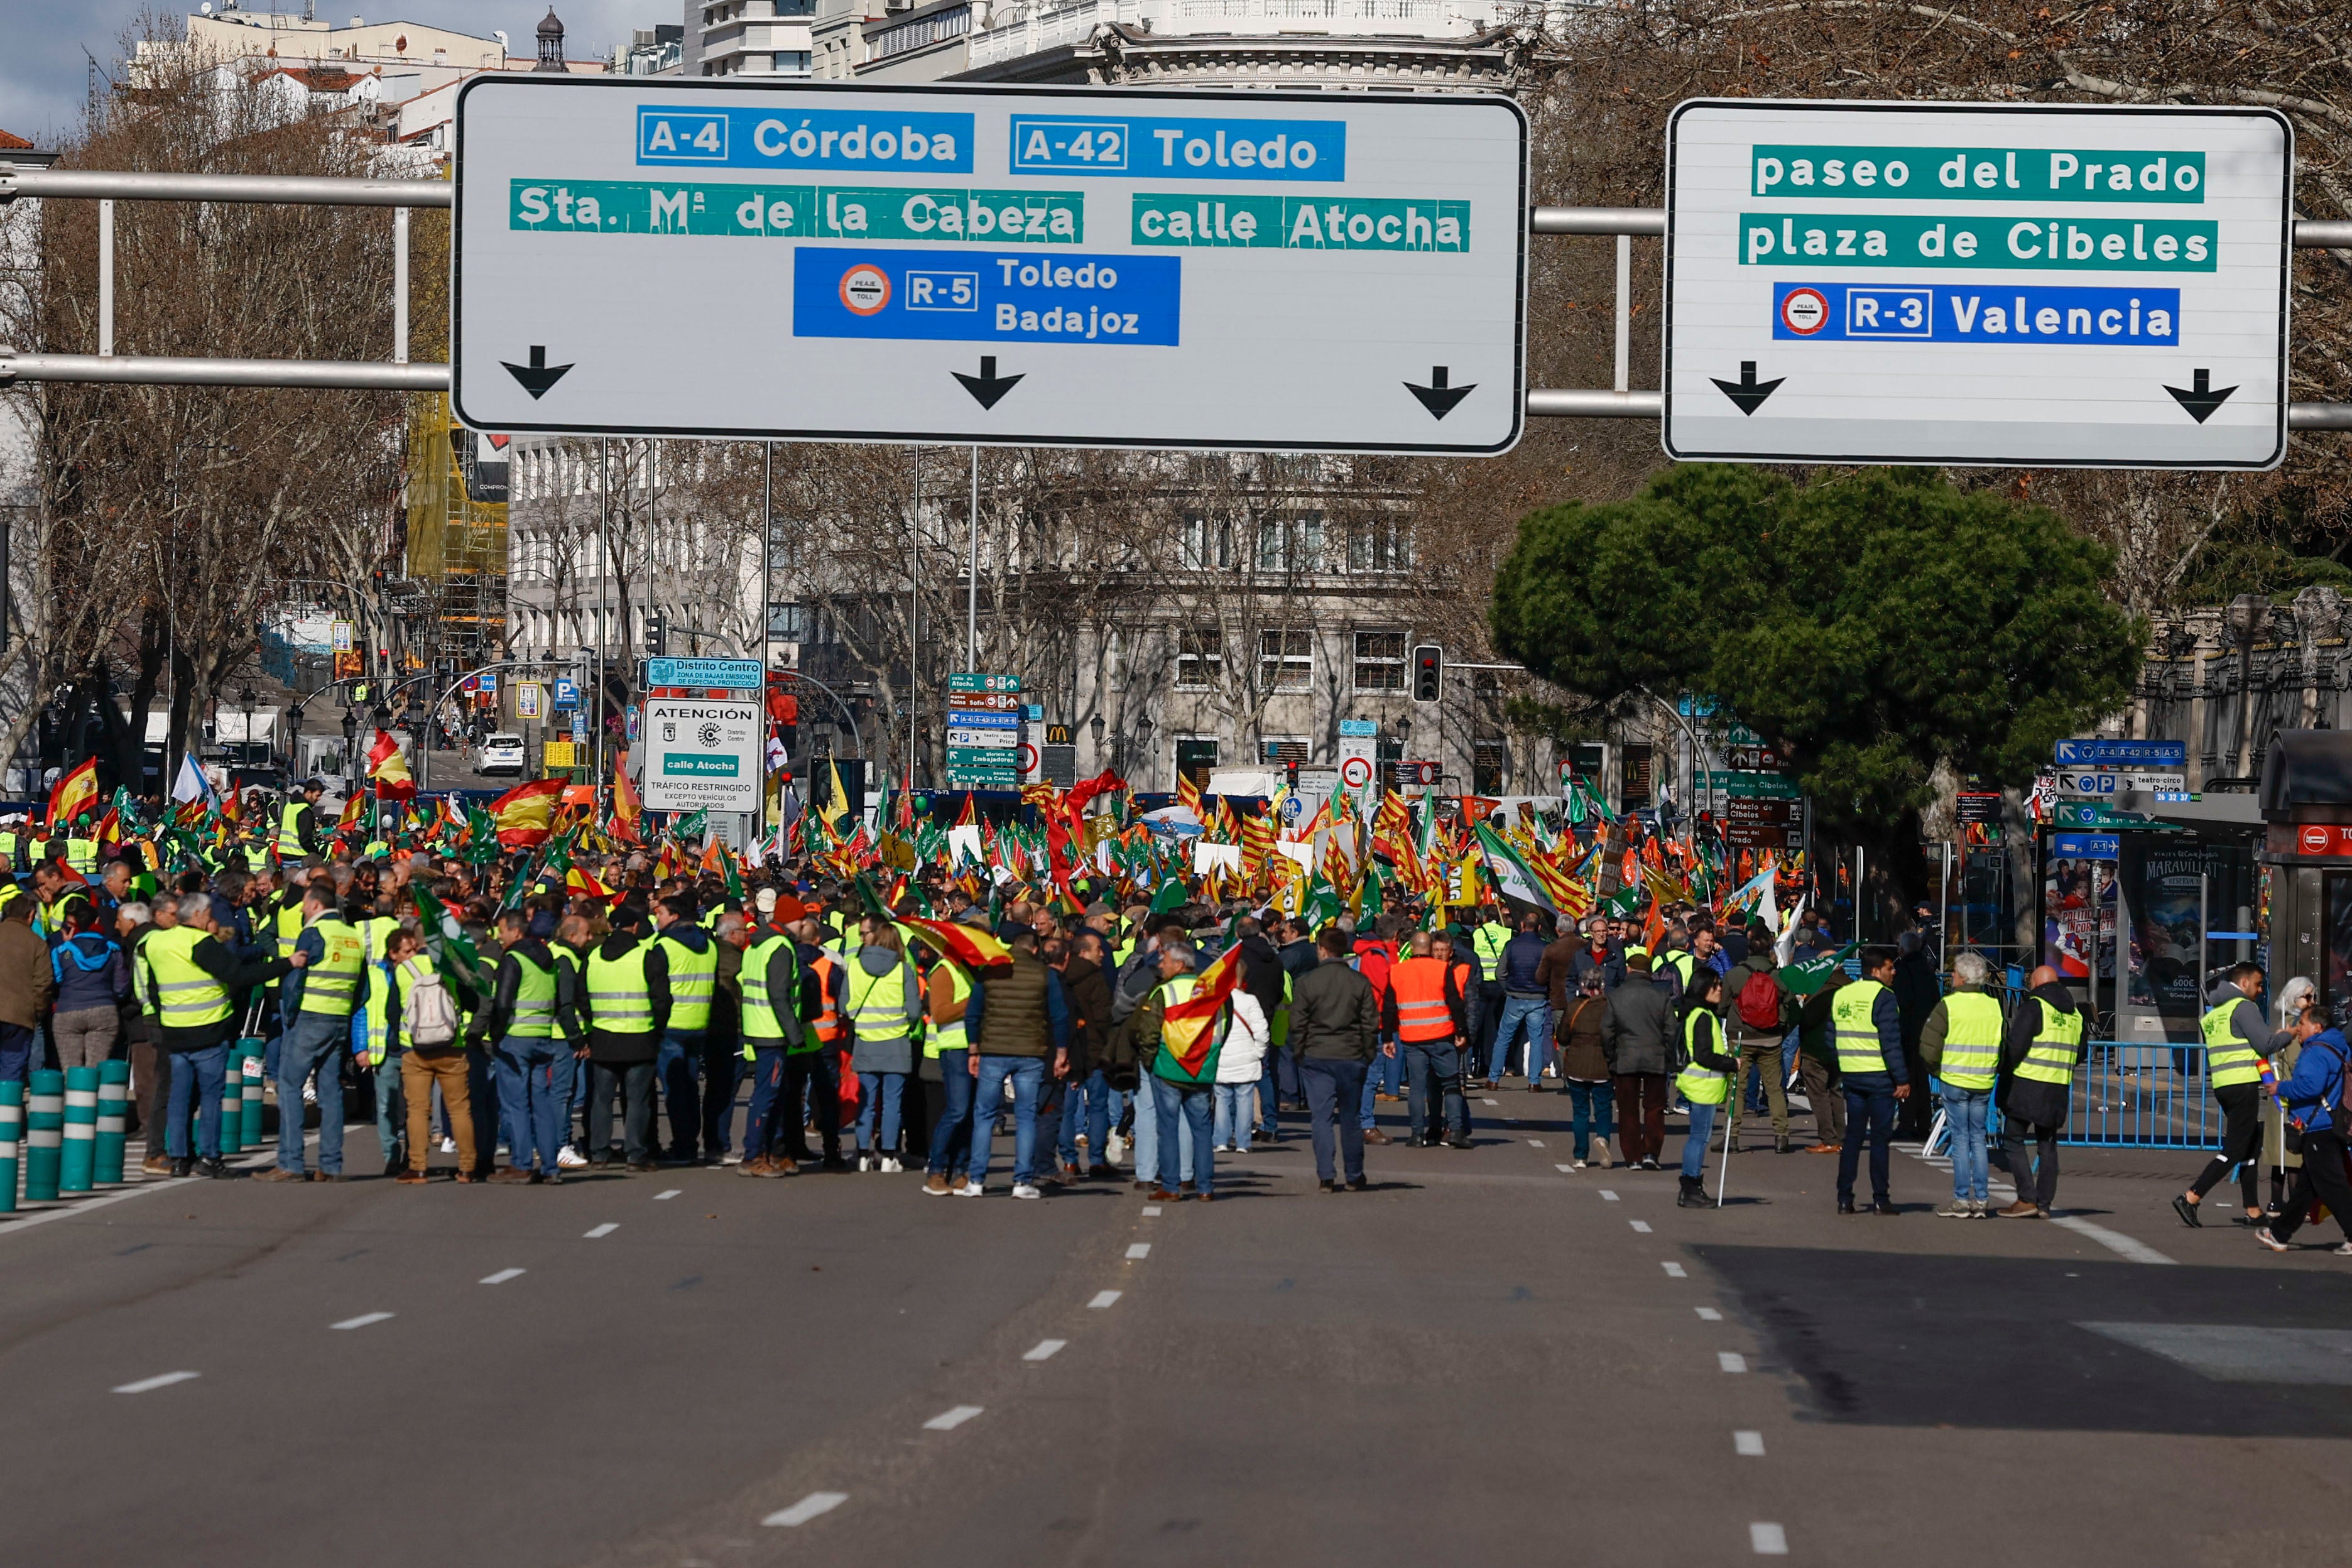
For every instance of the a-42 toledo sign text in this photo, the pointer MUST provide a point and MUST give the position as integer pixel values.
(1086, 268)
(2041, 285)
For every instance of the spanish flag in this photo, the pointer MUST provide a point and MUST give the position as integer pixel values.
(525, 815)
(354, 813)
(626, 803)
(74, 794)
(975, 949)
(1188, 1028)
(388, 769)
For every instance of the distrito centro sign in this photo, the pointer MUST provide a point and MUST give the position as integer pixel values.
(2037, 285)
(1100, 268)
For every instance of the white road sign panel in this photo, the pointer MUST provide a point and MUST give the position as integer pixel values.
(1994, 284)
(2089, 785)
(702, 754)
(1079, 267)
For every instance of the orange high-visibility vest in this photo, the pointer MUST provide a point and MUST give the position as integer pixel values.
(1419, 986)
(827, 1022)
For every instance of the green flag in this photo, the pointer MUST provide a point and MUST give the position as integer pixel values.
(1808, 976)
(1169, 895)
(453, 953)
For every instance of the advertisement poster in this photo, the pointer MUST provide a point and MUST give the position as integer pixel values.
(2071, 890)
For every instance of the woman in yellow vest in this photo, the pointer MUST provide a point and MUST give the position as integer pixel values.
(2237, 1048)
(1705, 1077)
(885, 1008)
(1961, 1043)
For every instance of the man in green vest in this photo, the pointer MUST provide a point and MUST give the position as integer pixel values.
(2237, 1047)
(625, 1006)
(298, 824)
(1960, 1043)
(533, 1016)
(693, 960)
(2045, 1039)
(319, 995)
(1867, 1032)
(1487, 945)
(772, 981)
(1183, 1075)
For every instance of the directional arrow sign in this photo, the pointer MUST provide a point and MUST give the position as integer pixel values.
(2039, 285)
(1163, 267)
(987, 387)
(537, 375)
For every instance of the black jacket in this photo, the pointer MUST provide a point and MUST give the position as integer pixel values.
(1634, 1030)
(2032, 1099)
(604, 1045)
(213, 956)
(1334, 1015)
(492, 1022)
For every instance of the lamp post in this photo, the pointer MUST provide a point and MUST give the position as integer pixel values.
(1094, 727)
(247, 699)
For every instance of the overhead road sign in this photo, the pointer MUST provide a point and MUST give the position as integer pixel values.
(2107, 785)
(1091, 268)
(702, 754)
(708, 674)
(2043, 284)
(2169, 754)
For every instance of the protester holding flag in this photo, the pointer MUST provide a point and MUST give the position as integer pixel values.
(1185, 1020)
(1019, 1025)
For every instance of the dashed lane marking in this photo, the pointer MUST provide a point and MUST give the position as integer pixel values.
(1641, 1225)
(1151, 1211)
(1103, 1298)
(361, 1322)
(808, 1509)
(1044, 1350)
(1749, 1444)
(1709, 1315)
(1674, 1271)
(1607, 1196)
(607, 1228)
(2114, 1241)
(1768, 1539)
(1731, 1360)
(665, 1197)
(149, 1384)
(502, 1276)
(1139, 1249)
(1537, 1143)
(949, 1420)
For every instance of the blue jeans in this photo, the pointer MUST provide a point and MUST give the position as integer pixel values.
(1386, 1073)
(200, 1075)
(1332, 1086)
(1964, 1122)
(315, 1044)
(1189, 1103)
(1702, 1124)
(390, 1108)
(536, 1115)
(722, 1068)
(1028, 1076)
(761, 1124)
(1099, 1110)
(1869, 1112)
(19, 1053)
(1269, 1099)
(953, 1130)
(1147, 1143)
(1518, 1012)
(879, 1094)
(1231, 1124)
(1592, 1110)
(1434, 1081)
(678, 1065)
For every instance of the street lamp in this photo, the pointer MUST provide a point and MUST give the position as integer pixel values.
(1094, 727)
(248, 698)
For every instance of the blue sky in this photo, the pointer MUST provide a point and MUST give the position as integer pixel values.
(44, 73)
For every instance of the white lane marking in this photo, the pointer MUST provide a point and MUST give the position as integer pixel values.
(1103, 1298)
(607, 1228)
(1151, 1211)
(1749, 1444)
(1140, 1249)
(148, 1384)
(1608, 1196)
(1564, 1167)
(949, 1420)
(2114, 1241)
(24, 1221)
(361, 1322)
(1535, 1144)
(1674, 1271)
(1731, 1360)
(1044, 1350)
(1709, 1315)
(1768, 1539)
(808, 1509)
(1490, 1102)
(665, 1197)
(502, 1276)
(1641, 1225)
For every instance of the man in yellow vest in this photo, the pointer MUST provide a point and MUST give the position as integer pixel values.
(627, 1006)
(947, 996)
(1487, 945)
(320, 998)
(773, 983)
(533, 1018)
(2237, 1048)
(1960, 1043)
(2046, 1038)
(1867, 1031)
(298, 824)
(191, 979)
(693, 961)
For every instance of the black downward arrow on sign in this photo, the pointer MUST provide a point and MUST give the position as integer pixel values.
(2200, 400)
(1747, 392)
(537, 375)
(1438, 397)
(987, 388)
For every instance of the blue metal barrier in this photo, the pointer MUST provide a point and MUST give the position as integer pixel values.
(2145, 1095)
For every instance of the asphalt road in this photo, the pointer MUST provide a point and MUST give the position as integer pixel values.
(1483, 1360)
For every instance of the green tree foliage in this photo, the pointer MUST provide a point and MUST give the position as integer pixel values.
(1865, 626)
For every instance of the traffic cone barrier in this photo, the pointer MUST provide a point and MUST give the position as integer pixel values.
(81, 1147)
(12, 1141)
(45, 1122)
(113, 1122)
(232, 1102)
(256, 1059)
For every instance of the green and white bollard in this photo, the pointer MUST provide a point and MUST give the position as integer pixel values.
(113, 1122)
(257, 1058)
(45, 1123)
(12, 1141)
(232, 1103)
(80, 1154)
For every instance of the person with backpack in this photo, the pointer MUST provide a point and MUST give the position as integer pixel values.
(1759, 1025)
(2314, 1099)
(422, 1017)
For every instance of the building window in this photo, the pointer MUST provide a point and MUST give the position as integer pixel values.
(1490, 766)
(792, 62)
(1379, 544)
(1379, 661)
(1285, 661)
(1196, 758)
(795, 8)
(1208, 543)
(1285, 750)
(787, 622)
(1292, 544)
(1199, 658)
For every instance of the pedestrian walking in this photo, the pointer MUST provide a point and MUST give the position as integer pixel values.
(2044, 1042)
(1706, 1080)
(2314, 1101)
(1636, 1040)
(1584, 1072)
(1759, 1025)
(1183, 1052)
(2237, 1046)
(1866, 1026)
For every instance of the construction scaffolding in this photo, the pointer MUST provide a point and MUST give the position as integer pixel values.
(457, 535)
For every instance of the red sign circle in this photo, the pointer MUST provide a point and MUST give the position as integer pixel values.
(864, 289)
(1355, 772)
(2316, 839)
(1028, 755)
(1805, 311)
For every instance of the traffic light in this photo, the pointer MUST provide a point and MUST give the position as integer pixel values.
(1428, 672)
(657, 635)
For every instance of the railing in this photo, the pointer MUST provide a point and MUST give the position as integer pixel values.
(2133, 1093)
(1072, 24)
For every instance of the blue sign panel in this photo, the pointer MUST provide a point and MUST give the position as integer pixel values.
(980, 718)
(2123, 754)
(2084, 845)
(804, 139)
(567, 694)
(730, 674)
(979, 296)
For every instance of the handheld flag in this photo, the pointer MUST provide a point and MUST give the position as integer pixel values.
(74, 794)
(388, 769)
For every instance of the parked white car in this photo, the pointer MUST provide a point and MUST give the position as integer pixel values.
(501, 753)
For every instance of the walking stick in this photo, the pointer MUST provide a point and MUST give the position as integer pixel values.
(1723, 1176)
